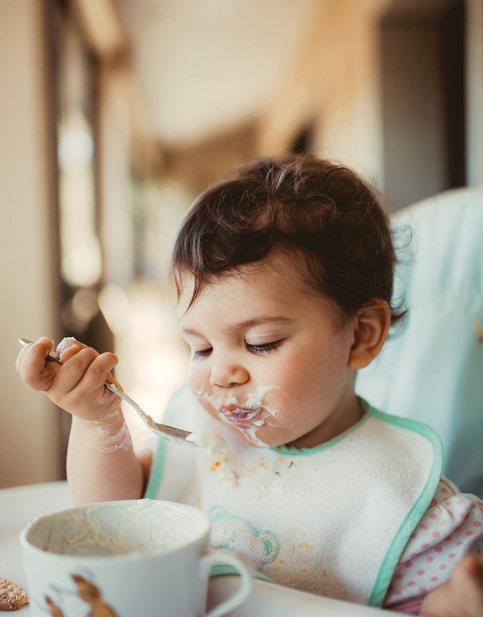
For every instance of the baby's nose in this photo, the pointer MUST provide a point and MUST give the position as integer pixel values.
(227, 374)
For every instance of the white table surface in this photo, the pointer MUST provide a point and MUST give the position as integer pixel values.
(20, 505)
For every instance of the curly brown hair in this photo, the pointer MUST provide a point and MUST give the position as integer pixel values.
(323, 215)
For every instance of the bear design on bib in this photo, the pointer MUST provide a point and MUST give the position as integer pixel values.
(233, 532)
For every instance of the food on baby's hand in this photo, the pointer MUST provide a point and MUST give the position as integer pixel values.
(12, 596)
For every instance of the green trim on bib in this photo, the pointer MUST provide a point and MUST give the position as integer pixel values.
(157, 470)
(226, 570)
(417, 511)
(368, 412)
(159, 458)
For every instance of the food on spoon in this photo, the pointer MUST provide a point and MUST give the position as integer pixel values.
(210, 441)
(12, 596)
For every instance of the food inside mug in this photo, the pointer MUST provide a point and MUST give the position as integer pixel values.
(141, 528)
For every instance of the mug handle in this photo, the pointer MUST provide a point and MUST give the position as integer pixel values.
(223, 556)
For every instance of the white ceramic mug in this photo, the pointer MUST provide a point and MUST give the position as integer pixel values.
(140, 558)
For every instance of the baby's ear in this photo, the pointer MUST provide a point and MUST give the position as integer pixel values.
(371, 326)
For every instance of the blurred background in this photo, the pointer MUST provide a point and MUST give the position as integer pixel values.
(115, 114)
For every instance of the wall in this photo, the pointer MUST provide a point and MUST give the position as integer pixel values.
(474, 91)
(334, 90)
(414, 120)
(29, 450)
(349, 127)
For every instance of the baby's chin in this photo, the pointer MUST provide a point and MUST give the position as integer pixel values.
(240, 433)
(266, 435)
(259, 444)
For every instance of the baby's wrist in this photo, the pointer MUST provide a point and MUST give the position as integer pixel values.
(110, 430)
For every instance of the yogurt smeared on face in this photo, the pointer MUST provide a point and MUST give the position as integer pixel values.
(237, 414)
(246, 417)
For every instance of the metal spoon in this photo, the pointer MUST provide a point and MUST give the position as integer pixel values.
(163, 430)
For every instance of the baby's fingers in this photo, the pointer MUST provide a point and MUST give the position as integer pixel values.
(84, 373)
(81, 374)
(468, 584)
(99, 370)
(32, 367)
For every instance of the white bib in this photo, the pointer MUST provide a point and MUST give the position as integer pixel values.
(332, 520)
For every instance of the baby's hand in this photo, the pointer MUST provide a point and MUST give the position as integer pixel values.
(462, 595)
(78, 385)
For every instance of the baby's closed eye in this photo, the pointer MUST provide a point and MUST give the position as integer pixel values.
(202, 353)
(262, 348)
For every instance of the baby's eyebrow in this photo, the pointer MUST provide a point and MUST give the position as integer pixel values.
(245, 324)
(257, 321)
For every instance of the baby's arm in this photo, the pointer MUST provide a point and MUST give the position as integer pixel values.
(462, 595)
(101, 463)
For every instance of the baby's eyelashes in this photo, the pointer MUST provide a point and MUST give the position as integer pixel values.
(202, 353)
(261, 348)
(255, 348)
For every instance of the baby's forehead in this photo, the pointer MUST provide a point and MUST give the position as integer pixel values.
(276, 267)
(272, 287)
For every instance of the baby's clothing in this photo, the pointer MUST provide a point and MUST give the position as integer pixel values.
(325, 519)
(451, 527)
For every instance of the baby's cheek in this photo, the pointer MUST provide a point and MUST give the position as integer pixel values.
(209, 409)
(199, 379)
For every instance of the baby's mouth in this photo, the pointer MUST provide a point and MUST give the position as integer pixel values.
(237, 414)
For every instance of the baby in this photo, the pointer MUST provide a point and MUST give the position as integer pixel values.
(284, 278)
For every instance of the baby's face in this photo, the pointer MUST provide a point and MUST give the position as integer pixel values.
(268, 359)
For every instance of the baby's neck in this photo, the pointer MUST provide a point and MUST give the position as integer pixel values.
(331, 427)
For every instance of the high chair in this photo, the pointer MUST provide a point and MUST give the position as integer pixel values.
(431, 370)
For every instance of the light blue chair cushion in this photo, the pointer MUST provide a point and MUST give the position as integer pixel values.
(432, 370)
